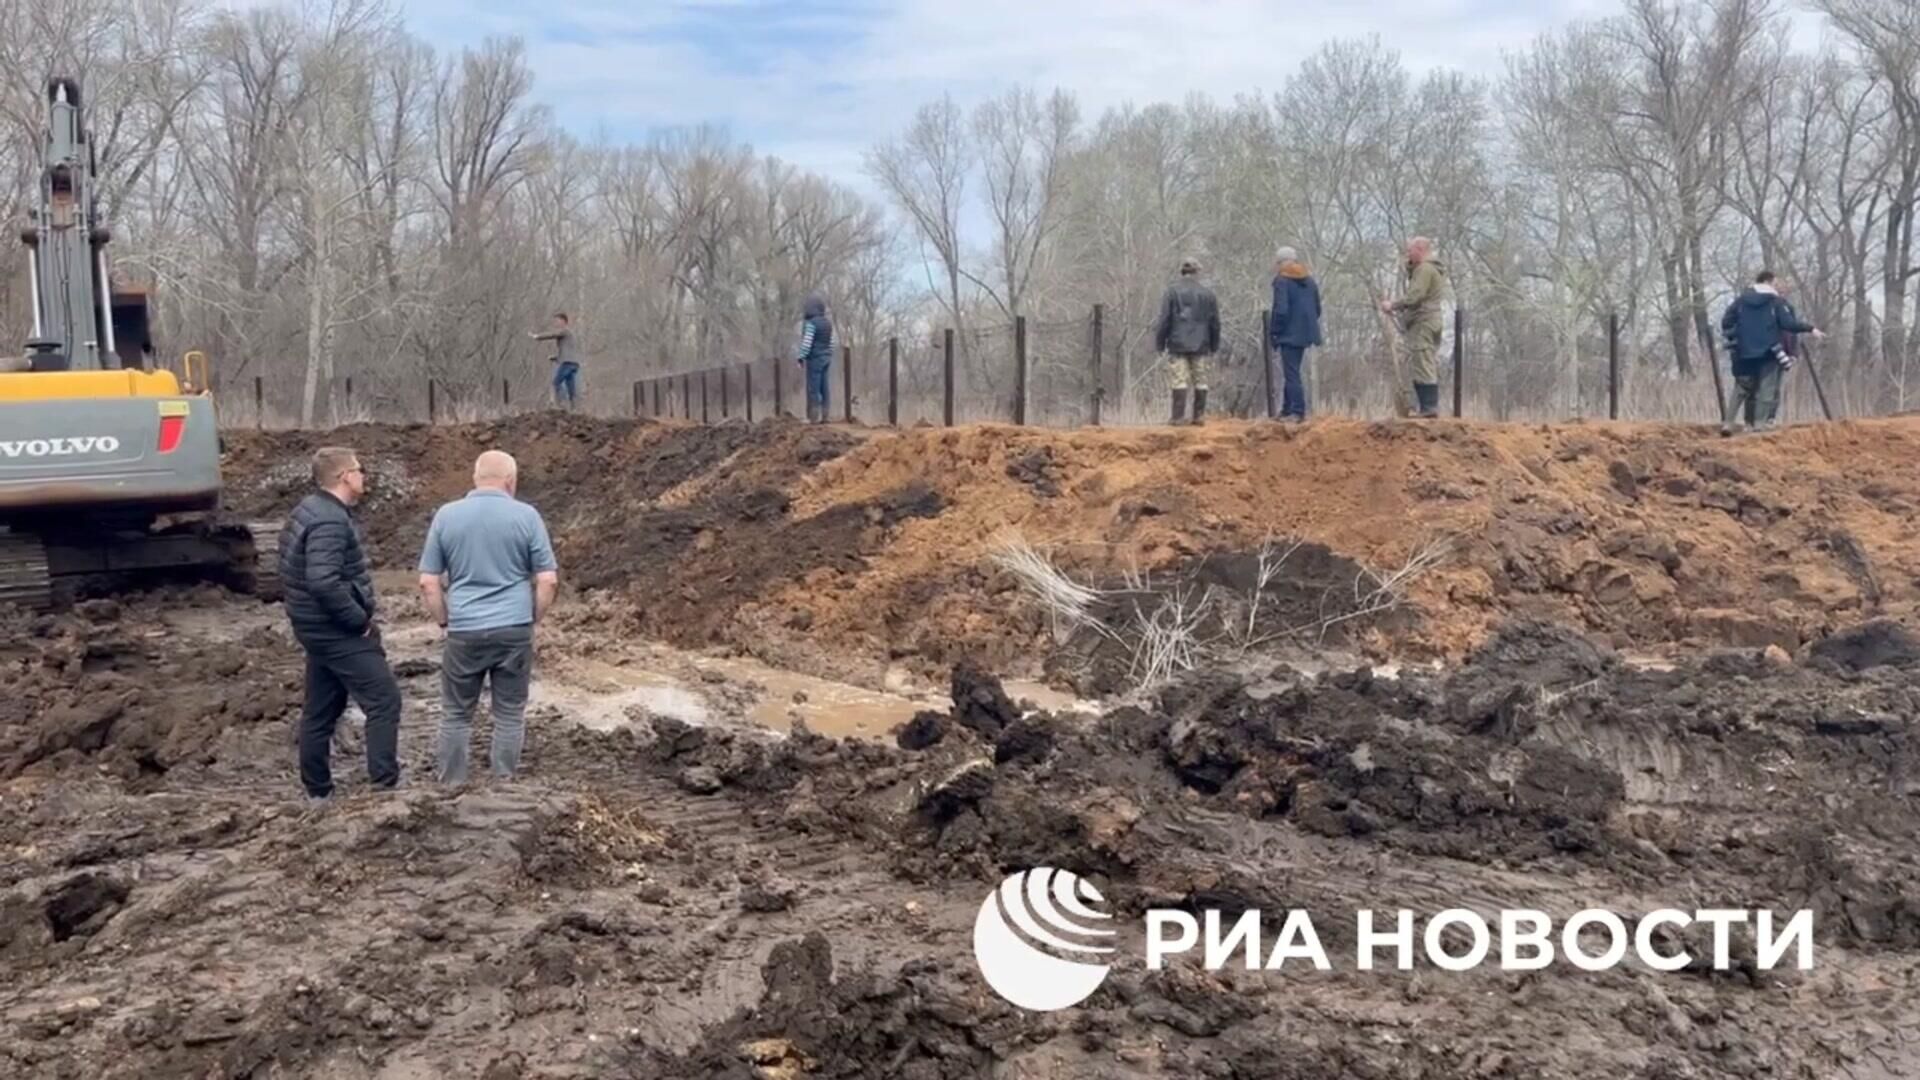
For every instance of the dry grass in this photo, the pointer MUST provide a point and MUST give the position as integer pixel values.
(1167, 636)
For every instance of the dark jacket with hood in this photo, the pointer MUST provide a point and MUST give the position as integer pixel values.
(323, 572)
(1296, 308)
(1755, 325)
(1189, 320)
(816, 335)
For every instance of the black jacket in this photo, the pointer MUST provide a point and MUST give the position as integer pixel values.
(323, 571)
(1755, 325)
(1189, 320)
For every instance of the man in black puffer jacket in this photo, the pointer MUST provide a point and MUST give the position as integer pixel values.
(330, 601)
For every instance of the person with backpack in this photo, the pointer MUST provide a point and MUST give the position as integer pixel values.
(1188, 334)
(1758, 329)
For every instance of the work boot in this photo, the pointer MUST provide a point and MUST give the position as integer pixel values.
(1179, 407)
(1199, 407)
(1429, 395)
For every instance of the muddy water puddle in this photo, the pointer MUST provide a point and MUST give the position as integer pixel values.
(708, 689)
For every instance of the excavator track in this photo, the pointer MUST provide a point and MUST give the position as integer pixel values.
(256, 570)
(25, 580)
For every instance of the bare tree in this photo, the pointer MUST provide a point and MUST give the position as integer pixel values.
(924, 172)
(1024, 146)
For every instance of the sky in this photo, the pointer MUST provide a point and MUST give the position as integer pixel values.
(816, 82)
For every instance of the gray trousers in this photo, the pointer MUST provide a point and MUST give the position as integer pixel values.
(1756, 398)
(502, 659)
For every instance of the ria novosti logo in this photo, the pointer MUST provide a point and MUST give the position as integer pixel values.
(1024, 939)
(1049, 907)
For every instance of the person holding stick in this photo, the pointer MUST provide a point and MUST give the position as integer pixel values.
(1758, 329)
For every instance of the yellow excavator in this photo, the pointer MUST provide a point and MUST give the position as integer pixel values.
(109, 468)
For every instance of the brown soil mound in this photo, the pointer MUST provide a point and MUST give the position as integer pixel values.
(1644, 534)
(589, 477)
(817, 547)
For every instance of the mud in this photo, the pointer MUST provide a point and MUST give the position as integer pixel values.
(683, 892)
(665, 899)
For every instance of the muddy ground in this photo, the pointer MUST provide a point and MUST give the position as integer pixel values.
(773, 768)
(665, 899)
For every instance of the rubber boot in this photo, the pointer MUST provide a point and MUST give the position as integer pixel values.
(1429, 398)
(1179, 407)
(1199, 407)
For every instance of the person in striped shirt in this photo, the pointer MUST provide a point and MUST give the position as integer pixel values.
(816, 354)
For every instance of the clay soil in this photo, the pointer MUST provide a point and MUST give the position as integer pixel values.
(854, 549)
(668, 900)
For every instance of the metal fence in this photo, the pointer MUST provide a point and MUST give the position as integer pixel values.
(1067, 373)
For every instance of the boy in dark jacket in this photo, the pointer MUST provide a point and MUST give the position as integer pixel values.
(330, 602)
(1757, 328)
(1294, 328)
(816, 353)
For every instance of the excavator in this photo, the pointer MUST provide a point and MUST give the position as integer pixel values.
(109, 467)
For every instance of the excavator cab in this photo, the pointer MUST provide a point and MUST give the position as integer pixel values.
(109, 467)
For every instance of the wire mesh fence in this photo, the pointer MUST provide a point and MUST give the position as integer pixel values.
(1074, 372)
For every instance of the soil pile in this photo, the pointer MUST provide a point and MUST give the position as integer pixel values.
(811, 546)
(108, 688)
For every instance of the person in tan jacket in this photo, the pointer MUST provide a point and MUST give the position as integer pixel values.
(1422, 314)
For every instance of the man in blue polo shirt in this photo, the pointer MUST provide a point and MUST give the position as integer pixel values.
(489, 576)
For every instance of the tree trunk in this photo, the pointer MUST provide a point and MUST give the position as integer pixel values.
(1676, 312)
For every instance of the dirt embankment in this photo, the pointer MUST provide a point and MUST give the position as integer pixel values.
(819, 547)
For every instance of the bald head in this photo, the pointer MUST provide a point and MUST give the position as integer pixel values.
(496, 469)
(1418, 249)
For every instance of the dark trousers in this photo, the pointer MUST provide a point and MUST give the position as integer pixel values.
(337, 670)
(1293, 386)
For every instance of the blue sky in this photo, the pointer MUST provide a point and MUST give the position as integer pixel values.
(818, 81)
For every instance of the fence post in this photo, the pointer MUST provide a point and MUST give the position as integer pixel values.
(1020, 369)
(433, 401)
(893, 382)
(1613, 365)
(636, 399)
(349, 393)
(779, 407)
(748, 371)
(726, 404)
(260, 403)
(1099, 321)
(1712, 357)
(705, 417)
(656, 398)
(947, 410)
(1459, 355)
(1266, 358)
(506, 393)
(686, 394)
(846, 379)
